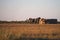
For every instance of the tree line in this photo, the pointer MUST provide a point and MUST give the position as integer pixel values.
(34, 21)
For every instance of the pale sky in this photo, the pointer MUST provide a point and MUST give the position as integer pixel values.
(24, 9)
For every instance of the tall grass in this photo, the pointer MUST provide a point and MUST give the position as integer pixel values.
(29, 32)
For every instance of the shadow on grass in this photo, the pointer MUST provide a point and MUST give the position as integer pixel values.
(24, 37)
(33, 39)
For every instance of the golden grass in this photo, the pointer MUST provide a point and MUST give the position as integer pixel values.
(30, 30)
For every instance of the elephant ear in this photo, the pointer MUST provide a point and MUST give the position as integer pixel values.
(42, 21)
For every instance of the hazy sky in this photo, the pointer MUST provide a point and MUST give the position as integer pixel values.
(24, 9)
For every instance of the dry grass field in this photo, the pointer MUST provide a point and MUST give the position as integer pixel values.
(18, 31)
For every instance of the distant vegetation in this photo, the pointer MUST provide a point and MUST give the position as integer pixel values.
(33, 21)
(21, 22)
(28, 21)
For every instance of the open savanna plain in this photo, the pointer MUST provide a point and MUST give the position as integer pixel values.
(33, 31)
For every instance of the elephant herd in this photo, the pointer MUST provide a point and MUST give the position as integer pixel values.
(41, 21)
